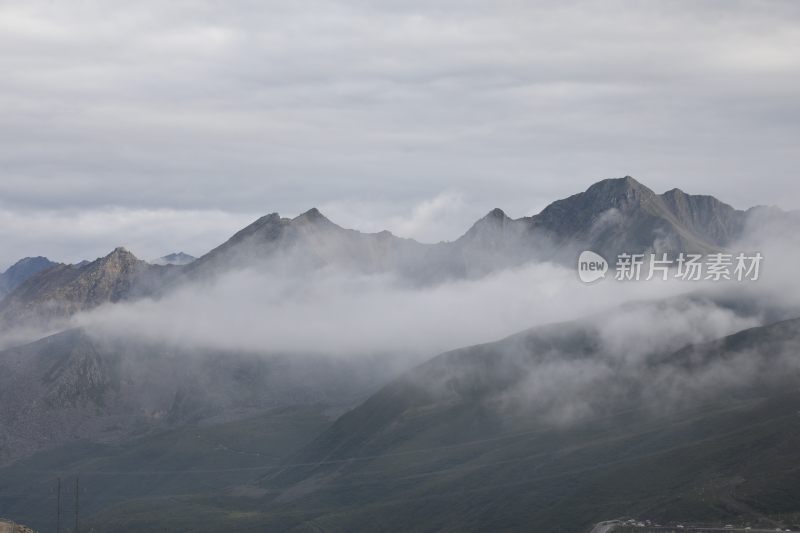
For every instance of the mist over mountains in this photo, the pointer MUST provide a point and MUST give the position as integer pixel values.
(611, 217)
(548, 428)
(538, 377)
(76, 386)
(176, 258)
(399, 267)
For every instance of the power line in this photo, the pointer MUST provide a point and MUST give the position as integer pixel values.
(58, 508)
(77, 502)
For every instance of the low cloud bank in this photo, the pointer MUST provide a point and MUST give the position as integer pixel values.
(657, 356)
(344, 314)
(635, 325)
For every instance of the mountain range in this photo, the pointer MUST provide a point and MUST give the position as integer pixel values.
(550, 429)
(706, 433)
(437, 450)
(610, 217)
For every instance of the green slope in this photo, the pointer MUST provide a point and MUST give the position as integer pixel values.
(191, 460)
(433, 452)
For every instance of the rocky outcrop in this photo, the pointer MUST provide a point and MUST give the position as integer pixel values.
(64, 290)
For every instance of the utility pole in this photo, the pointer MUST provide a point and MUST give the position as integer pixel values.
(77, 500)
(58, 511)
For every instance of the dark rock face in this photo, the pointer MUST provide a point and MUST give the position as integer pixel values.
(705, 216)
(622, 215)
(612, 216)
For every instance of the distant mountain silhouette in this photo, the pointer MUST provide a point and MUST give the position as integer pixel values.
(177, 258)
(610, 217)
(21, 271)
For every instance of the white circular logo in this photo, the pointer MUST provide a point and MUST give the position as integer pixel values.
(591, 266)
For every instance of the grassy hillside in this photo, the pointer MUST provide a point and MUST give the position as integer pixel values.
(166, 464)
(437, 450)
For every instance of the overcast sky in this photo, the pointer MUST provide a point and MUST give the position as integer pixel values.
(167, 126)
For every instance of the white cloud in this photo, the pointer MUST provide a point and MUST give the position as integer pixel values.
(443, 217)
(339, 313)
(428, 215)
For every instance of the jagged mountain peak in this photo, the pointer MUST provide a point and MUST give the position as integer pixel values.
(28, 261)
(28, 266)
(705, 216)
(259, 224)
(575, 215)
(491, 221)
(621, 214)
(312, 213)
(115, 268)
(495, 214)
(268, 219)
(386, 235)
(618, 192)
(120, 251)
(494, 219)
(676, 196)
(627, 181)
(676, 192)
(120, 256)
(259, 240)
(20, 271)
(496, 233)
(176, 258)
(268, 224)
(313, 217)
